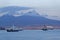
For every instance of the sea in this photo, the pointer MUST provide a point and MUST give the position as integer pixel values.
(30, 35)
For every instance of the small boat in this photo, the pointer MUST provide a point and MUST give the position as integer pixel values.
(45, 28)
(13, 29)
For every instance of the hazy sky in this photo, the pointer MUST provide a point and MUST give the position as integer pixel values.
(49, 7)
(31, 3)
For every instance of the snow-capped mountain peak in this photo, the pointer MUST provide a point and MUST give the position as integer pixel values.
(17, 13)
(21, 11)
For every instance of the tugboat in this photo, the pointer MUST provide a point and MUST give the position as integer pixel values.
(44, 28)
(13, 29)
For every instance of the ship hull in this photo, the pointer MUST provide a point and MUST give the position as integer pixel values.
(44, 29)
(12, 30)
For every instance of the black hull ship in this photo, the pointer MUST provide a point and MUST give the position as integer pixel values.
(45, 28)
(13, 29)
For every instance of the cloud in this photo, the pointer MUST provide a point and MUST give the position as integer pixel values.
(46, 7)
(50, 13)
(30, 3)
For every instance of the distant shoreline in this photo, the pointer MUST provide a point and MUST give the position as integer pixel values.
(30, 28)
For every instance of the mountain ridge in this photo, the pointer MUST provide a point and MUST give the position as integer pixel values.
(27, 16)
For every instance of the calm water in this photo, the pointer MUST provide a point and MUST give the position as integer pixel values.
(31, 35)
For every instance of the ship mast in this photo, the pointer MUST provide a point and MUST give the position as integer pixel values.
(13, 27)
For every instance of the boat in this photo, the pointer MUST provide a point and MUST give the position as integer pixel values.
(45, 28)
(13, 29)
